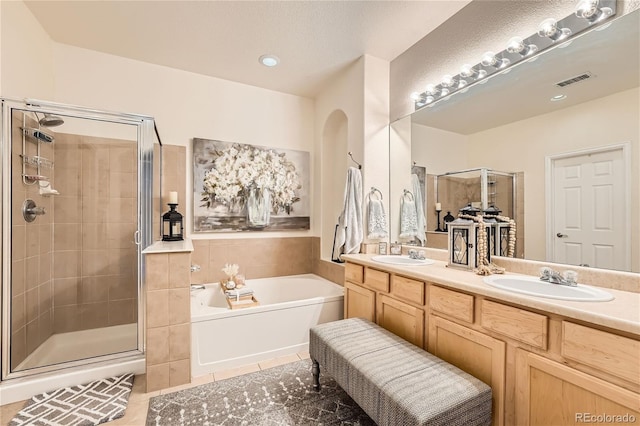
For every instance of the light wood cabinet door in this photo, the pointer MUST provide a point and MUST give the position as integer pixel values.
(480, 355)
(359, 302)
(550, 393)
(401, 319)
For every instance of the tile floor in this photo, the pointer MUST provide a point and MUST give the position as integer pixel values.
(136, 413)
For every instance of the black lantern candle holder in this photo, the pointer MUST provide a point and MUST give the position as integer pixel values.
(172, 225)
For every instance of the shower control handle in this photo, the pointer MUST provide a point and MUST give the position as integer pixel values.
(38, 211)
(30, 211)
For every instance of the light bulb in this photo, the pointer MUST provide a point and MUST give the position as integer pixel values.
(429, 99)
(444, 91)
(447, 80)
(462, 83)
(489, 59)
(431, 89)
(269, 60)
(467, 70)
(415, 96)
(590, 10)
(481, 74)
(549, 28)
(517, 45)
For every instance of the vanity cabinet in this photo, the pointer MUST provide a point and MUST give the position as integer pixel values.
(359, 302)
(453, 338)
(551, 393)
(393, 302)
(401, 319)
(543, 368)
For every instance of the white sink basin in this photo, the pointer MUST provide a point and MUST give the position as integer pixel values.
(400, 260)
(534, 287)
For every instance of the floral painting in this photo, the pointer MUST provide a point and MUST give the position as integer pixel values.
(241, 187)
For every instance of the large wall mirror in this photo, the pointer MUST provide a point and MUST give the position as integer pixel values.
(566, 124)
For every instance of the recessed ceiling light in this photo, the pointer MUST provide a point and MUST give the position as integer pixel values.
(269, 60)
(558, 98)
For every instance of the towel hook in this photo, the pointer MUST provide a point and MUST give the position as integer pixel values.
(375, 190)
(351, 155)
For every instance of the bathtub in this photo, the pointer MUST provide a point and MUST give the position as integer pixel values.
(223, 338)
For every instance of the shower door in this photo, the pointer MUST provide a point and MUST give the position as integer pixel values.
(76, 215)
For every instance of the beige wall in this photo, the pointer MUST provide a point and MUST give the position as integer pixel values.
(605, 121)
(361, 94)
(27, 54)
(186, 105)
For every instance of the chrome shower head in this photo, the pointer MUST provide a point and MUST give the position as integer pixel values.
(50, 120)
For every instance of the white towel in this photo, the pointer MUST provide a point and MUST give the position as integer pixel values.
(244, 291)
(377, 219)
(421, 221)
(408, 218)
(349, 234)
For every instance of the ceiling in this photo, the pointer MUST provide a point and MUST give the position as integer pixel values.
(315, 40)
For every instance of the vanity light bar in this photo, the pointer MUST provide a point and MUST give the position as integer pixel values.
(587, 14)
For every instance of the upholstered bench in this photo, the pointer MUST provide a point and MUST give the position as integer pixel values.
(393, 381)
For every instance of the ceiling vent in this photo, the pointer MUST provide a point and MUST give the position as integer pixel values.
(575, 79)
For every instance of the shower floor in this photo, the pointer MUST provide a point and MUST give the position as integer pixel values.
(64, 347)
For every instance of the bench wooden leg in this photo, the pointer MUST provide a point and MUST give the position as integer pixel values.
(315, 370)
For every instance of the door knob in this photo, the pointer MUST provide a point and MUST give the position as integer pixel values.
(561, 235)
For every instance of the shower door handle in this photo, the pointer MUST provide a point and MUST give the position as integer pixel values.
(136, 237)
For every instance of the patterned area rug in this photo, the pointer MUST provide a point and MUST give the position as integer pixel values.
(91, 404)
(278, 396)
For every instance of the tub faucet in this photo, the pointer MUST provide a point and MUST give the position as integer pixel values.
(197, 287)
(549, 275)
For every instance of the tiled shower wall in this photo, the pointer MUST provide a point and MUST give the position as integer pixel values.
(31, 313)
(94, 259)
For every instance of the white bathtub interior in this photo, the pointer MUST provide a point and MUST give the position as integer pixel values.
(223, 338)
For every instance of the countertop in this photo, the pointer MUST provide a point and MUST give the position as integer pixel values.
(622, 313)
(169, 247)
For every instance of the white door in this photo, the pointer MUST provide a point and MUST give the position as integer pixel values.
(589, 210)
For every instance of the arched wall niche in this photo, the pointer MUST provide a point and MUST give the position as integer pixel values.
(334, 172)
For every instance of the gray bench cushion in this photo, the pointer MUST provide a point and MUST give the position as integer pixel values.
(395, 382)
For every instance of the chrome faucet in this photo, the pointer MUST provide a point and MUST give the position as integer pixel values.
(417, 254)
(553, 277)
(197, 287)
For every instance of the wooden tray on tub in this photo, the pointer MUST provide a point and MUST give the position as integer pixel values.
(243, 303)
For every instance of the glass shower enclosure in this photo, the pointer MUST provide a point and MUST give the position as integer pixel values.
(480, 187)
(76, 214)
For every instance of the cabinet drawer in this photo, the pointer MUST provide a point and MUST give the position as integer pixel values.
(376, 280)
(452, 303)
(608, 352)
(521, 325)
(354, 273)
(407, 289)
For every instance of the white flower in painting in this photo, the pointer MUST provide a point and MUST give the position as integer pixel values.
(240, 167)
